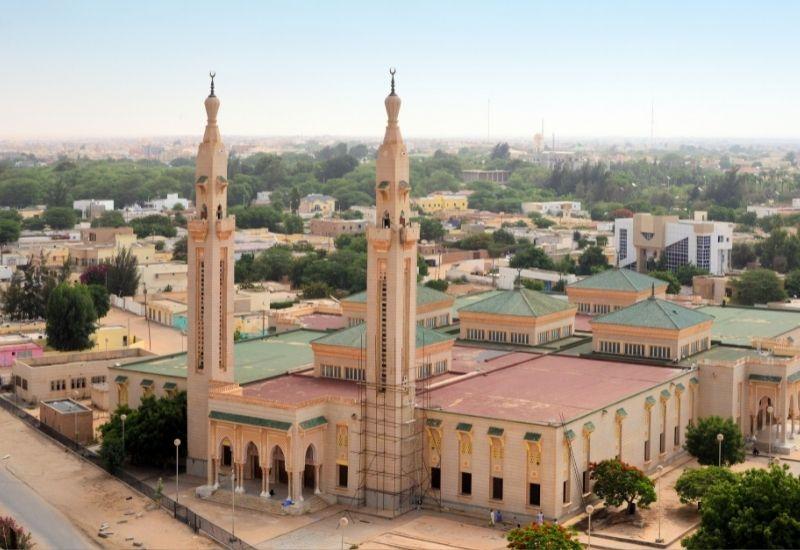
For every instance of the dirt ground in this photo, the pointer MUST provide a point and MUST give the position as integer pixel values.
(87, 496)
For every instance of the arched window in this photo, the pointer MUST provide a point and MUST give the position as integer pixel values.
(219, 211)
(386, 221)
(402, 218)
(204, 212)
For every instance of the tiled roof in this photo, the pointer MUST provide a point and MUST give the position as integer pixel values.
(251, 420)
(313, 422)
(520, 302)
(425, 295)
(355, 337)
(654, 313)
(464, 427)
(532, 436)
(619, 279)
(495, 431)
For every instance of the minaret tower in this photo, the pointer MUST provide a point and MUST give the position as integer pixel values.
(210, 286)
(392, 454)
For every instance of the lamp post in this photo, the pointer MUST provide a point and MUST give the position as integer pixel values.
(589, 512)
(720, 438)
(177, 444)
(233, 505)
(660, 471)
(123, 417)
(770, 409)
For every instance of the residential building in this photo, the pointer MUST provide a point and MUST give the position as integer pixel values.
(334, 228)
(557, 209)
(315, 203)
(645, 240)
(495, 176)
(69, 418)
(163, 277)
(442, 202)
(92, 208)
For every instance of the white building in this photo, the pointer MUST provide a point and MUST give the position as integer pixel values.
(645, 239)
(87, 206)
(553, 208)
(169, 202)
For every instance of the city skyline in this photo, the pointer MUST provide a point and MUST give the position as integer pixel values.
(709, 71)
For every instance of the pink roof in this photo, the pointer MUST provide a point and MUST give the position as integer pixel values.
(541, 389)
(293, 389)
(322, 321)
(472, 358)
(582, 322)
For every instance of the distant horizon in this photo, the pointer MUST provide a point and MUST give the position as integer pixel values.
(702, 70)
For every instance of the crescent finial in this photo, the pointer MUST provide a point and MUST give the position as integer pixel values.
(212, 74)
(392, 70)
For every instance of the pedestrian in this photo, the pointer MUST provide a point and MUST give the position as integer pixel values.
(539, 518)
(491, 517)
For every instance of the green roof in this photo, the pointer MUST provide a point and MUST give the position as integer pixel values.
(654, 313)
(532, 436)
(425, 295)
(464, 427)
(433, 422)
(625, 280)
(495, 431)
(255, 359)
(355, 337)
(313, 422)
(739, 325)
(520, 302)
(251, 420)
(793, 377)
(765, 378)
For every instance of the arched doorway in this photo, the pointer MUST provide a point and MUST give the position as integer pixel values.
(310, 471)
(763, 419)
(225, 455)
(278, 476)
(252, 468)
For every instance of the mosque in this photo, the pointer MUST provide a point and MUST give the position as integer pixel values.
(507, 412)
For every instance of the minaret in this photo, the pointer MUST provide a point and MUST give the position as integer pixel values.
(392, 452)
(210, 286)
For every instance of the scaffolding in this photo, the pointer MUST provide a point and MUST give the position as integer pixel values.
(394, 476)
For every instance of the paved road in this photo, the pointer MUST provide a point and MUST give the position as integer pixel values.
(49, 527)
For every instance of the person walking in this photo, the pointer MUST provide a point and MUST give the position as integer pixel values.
(539, 518)
(492, 517)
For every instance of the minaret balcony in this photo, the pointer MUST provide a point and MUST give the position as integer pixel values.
(225, 227)
(198, 229)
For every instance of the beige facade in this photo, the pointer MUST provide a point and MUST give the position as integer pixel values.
(127, 386)
(598, 301)
(316, 204)
(66, 375)
(163, 277)
(433, 312)
(335, 228)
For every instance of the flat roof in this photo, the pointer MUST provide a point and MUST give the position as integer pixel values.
(541, 389)
(297, 388)
(739, 325)
(721, 353)
(255, 359)
(66, 406)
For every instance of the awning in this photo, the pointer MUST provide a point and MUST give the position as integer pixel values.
(313, 422)
(495, 432)
(251, 420)
(146, 383)
(121, 379)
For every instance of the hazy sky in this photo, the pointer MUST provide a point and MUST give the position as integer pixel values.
(712, 69)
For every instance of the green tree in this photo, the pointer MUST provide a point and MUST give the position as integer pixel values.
(531, 284)
(437, 284)
(149, 431)
(154, 224)
(9, 232)
(673, 284)
(431, 229)
(695, 483)
(70, 318)
(791, 283)
(100, 299)
(530, 256)
(760, 510)
(758, 286)
(617, 482)
(179, 250)
(701, 441)
(273, 264)
(592, 260)
(316, 289)
(547, 536)
(109, 218)
(686, 273)
(292, 224)
(60, 217)
(123, 274)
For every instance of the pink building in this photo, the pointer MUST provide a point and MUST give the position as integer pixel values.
(14, 347)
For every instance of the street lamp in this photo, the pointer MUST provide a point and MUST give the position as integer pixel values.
(233, 505)
(589, 512)
(770, 409)
(75, 415)
(177, 444)
(660, 471)
(123, 417)
(720, 438)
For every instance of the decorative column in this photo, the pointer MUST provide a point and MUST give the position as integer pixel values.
(239, 469)
(297, 479)
(265, 481)
(317, 473)
(212, 472)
